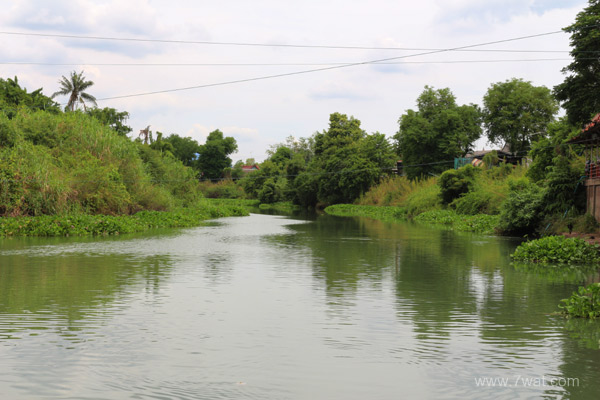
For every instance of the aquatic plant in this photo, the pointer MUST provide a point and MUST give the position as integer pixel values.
(93, 225)
(585, 303)
(480, 223)
(557, 250)
(375, 212)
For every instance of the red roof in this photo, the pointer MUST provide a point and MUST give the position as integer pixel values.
(590, 133)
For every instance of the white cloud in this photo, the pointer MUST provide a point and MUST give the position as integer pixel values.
(265, 112)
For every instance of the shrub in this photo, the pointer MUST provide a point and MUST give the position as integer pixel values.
(557, 249)
(521, 213)
(226, 189)
(426, 198)
(454, 183)
(585, 303)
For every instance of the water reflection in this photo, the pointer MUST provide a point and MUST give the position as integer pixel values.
(58, 292)
(273, 307)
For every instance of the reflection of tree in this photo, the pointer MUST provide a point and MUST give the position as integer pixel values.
(581, 357)
(343, 252)
(38, 289)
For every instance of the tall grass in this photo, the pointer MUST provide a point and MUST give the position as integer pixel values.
(69, 162)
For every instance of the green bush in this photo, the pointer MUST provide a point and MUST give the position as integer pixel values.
(557, 250)
(426, 199)
(454, 183)
(475, 202)
(585, 303)
(227, 189)
(521, 213)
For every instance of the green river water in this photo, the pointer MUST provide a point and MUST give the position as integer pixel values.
(273, 307)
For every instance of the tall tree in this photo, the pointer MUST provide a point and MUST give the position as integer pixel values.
(214, 155)
(346, 163)
(185, 149)
(579, 94)
(430, 138)
(112, 118)
(516, 113)
(75, 87)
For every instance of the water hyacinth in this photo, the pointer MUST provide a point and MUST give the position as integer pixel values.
(557, 250)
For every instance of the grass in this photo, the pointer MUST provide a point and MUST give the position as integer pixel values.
(479, 223)
(92, 225)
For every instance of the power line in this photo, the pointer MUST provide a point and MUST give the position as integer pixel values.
(279, 64)
(326, 68)
(246, 44)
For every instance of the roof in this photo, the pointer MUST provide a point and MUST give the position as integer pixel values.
(250, 167)
(590, 133)
(482, 153)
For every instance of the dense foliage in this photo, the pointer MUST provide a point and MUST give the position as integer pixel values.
(516, 113)
(430, 138)
(213, 156)
(481, 223)
(456, 182)
(13, 97)
(557, 250)
(337, 165)
(71, 162)
(88, 225)
(579, 94)
(585, 303)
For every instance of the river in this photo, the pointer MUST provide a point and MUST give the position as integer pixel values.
(274, 307)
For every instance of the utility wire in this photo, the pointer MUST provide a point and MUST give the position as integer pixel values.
(247, 44)
(279, 64)
(326, 68)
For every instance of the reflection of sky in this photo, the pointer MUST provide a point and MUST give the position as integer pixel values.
(245, 310)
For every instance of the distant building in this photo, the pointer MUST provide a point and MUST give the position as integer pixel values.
(246, 169)
(476, 157)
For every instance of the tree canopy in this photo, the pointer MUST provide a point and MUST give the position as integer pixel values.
(515, 113)
(111, 118)
(75, 87)
(185, 149)
(214, 155)
(12, 96)
(579, 94)
(430, 138)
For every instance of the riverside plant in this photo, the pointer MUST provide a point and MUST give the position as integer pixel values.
(94, 225)
(585, 303)
(479, 223)
(557, 250)
(384, 213)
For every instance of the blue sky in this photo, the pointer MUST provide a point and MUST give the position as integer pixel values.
(265, 112)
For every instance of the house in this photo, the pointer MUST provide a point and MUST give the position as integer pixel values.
(590, 139)
(476, 157)
(246, 169)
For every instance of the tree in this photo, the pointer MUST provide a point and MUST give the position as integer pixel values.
(185, 149)
(112, 118)
(579, 94)
(12, 95)
(346, 163)
(75, 87)
(214, 154)
(430, 138)
(516, 113)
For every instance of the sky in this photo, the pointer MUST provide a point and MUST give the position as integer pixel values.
(263, 70)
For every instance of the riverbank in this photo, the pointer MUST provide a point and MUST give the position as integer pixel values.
(94, 225)
(480, 223)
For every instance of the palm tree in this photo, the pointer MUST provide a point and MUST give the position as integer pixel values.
(75, 88)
